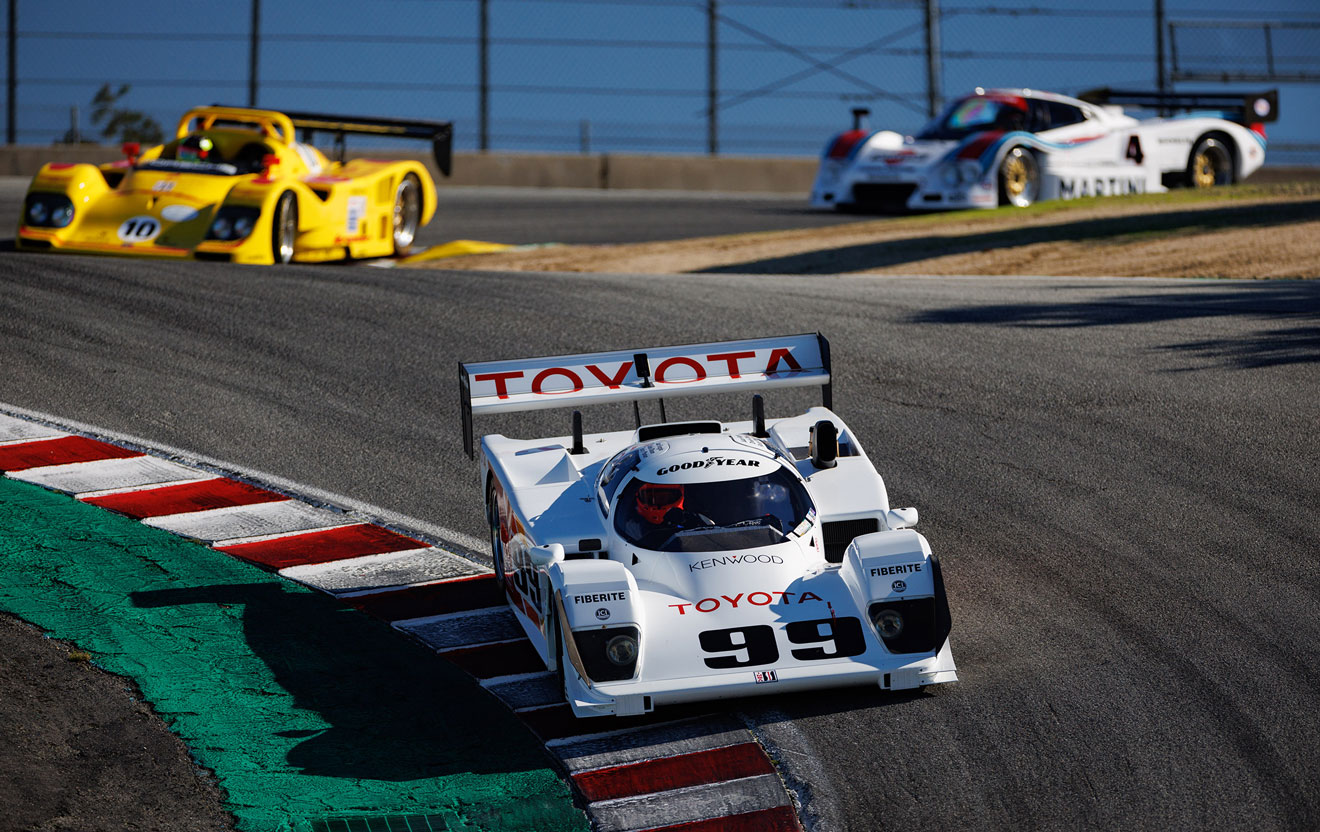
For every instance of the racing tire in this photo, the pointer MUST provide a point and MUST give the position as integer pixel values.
(407, 213)
(1210, 163)
(496, 545)
(561, 669)
(284, 228)
(1019, 178)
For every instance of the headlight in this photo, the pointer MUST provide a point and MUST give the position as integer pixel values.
(969, 170)
(233, 222)
(61, 215)
(621, 650)
(888, 622)
(608, 654)
(950, 176)
(48, 210)
(37, 212)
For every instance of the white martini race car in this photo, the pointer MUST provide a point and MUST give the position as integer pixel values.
(687, 561)
(1019, 146)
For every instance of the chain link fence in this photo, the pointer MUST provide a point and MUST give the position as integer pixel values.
(731, 77)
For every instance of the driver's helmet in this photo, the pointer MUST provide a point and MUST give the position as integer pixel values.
(655, 500)
(195, 148)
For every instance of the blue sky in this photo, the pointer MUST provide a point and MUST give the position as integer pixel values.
(628, 75)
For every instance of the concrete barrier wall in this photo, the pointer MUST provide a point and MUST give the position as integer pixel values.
(529, 170)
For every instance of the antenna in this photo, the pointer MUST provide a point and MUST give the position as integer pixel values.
(758, 417)
(578, 447)
(643, 366)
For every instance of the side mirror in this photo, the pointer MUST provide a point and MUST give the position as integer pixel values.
(900, 518)
(824, 444)
(543, 556)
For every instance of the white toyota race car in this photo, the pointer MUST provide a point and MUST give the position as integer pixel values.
(1019, 146)
(687, 561)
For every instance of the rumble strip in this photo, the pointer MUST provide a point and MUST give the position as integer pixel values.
(687, 770)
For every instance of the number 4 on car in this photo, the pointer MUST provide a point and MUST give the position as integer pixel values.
(687, 561)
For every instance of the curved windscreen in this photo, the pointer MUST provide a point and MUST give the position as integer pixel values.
(711, 516)
(974, 114)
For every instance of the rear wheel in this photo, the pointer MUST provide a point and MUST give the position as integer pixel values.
(1210, 164)
(407, 212)
(284, 230)
(1019, 178)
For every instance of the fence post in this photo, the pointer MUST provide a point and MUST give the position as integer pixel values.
(712, 80)
(11, 79)
(933, 82)
(254, 49)
(483, 79)
(1161, 75)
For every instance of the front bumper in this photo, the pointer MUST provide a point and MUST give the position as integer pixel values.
(869, 187)
(641, 696)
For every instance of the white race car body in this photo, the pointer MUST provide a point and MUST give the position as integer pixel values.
(1018, 146)
(700, 560)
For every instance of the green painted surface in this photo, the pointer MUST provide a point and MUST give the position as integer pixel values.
(304, 710)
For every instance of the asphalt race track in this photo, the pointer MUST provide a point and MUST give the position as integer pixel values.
(520, 215)
(1120, 477)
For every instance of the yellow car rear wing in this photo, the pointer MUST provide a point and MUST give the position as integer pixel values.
(439, 133)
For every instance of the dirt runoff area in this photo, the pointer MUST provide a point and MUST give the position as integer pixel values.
(1243, 231)
(92, 755)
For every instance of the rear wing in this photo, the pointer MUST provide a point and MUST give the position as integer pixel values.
(630, 375)
(1244, 108)
(439, 133)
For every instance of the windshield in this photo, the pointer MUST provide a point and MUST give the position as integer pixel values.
(183, 166)
(976, 113)
(711, 516)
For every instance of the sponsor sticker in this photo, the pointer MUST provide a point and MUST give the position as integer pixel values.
(763, 676)
(357, 209)
(899, 569)
(708, 462)
(735, 560)
(600, 597)
(602, 613)
(899, 586)
(755, 599)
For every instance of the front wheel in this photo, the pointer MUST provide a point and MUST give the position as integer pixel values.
(497, 548)
(284, 229)
(407, 213)
(1210, 164)
(1019, 178)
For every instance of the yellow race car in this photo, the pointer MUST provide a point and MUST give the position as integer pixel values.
(236, 185)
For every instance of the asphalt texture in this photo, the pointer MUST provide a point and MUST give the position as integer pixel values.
(522, 216)
(1120, 478)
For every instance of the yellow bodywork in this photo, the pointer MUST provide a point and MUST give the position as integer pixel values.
(158, 206)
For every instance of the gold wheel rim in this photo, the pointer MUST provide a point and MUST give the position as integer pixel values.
(1015, 176)
(1203, 171)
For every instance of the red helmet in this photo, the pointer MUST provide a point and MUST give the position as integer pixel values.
(654, 500)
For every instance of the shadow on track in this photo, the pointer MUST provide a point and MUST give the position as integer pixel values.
(1097, 231)
(396, 710)
(1292, 309)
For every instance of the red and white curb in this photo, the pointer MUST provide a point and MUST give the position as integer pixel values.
(681, 771)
